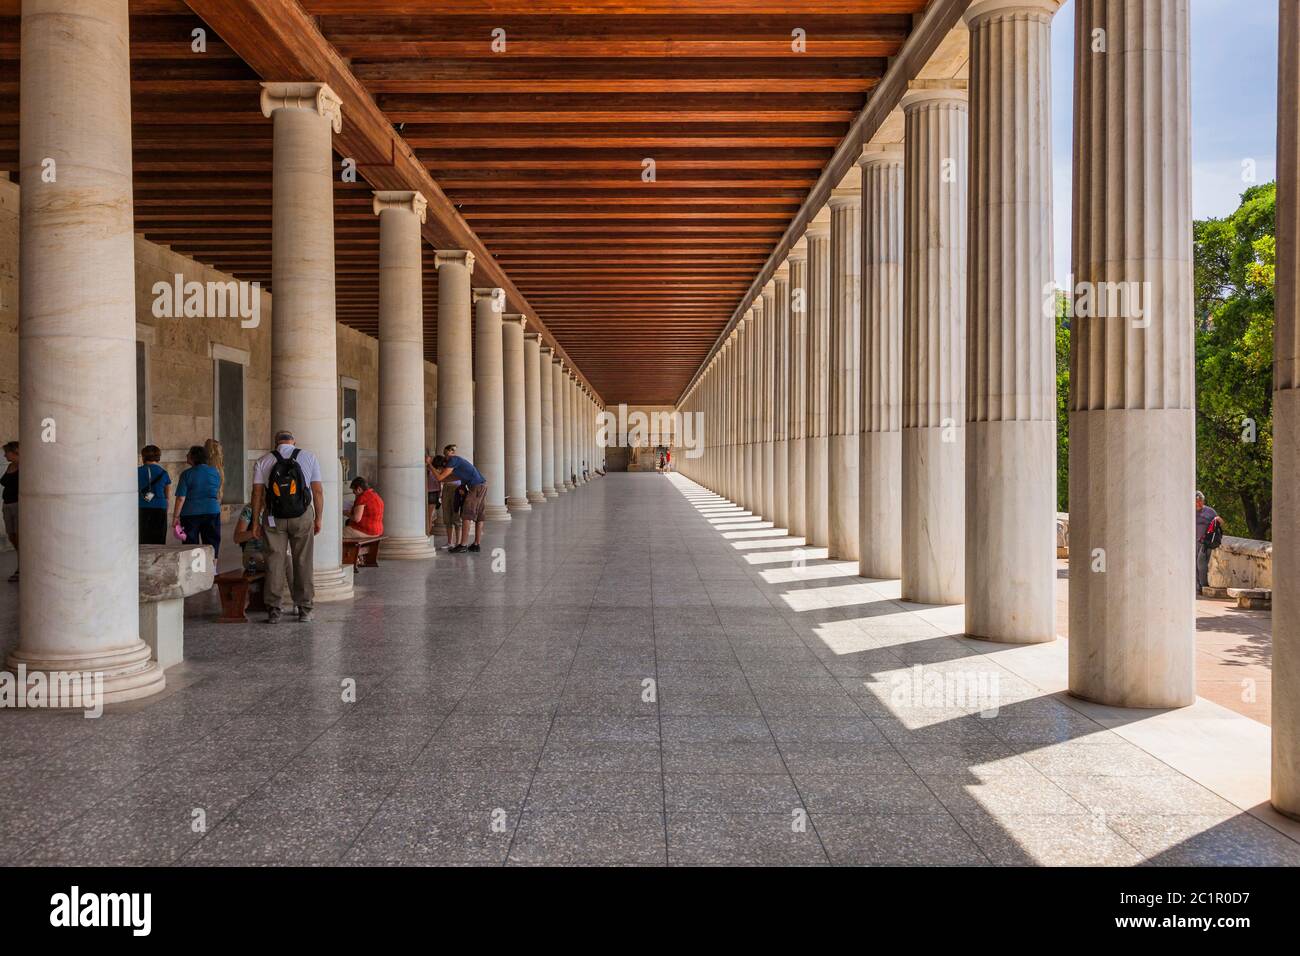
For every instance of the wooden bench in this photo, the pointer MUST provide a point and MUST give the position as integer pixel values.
(240, 590)
(362, 552)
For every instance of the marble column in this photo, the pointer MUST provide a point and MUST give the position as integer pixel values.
(489, 399)
(78, 608)
(797, 372)
(817, 339)
(1011, 327)
(767, 405)
(546, 369)
(781, 397)
(844, 386)
(740, 403)
(533, 417)
(455, 352)
(1286, 425)
(564, 479)
(1132, 439)
(516, 413)
(402, 479)
(748, 397)
(304, 363)
(934, 346)
(880, 447)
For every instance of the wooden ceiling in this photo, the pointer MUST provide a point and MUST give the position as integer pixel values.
(542, 147)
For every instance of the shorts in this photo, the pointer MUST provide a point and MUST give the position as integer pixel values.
(449, 510)
(11, 518)
(475, 503)
(434, 498)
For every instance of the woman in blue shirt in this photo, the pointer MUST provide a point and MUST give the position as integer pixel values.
(198, 507)
(155, 492)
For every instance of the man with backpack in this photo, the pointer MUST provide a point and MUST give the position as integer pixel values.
(1209, 535)
(288, 504)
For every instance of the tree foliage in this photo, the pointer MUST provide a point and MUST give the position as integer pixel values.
(1234, 267)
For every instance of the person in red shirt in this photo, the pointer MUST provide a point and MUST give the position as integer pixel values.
(366, 519)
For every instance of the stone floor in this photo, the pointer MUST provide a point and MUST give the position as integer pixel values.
(647, 675)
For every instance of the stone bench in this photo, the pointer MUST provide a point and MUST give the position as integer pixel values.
(169, 573)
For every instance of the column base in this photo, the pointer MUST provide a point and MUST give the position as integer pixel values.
(550, 492)
(536, 497)
(408, 549)
(496, 513)
(518, 504)
(128, 673)
(569, 486)
(333, 584)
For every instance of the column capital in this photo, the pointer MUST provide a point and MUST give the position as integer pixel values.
(849, 191)
(405, 199)
(314, 97)
(496, 295)
(820, 226)
(516, 317)
(533, 336)
(545, 349)
(881, 154)
(798, 251)
(782, 272)
(986, 9)
(769, 288)
(922, 93)
(446, 257)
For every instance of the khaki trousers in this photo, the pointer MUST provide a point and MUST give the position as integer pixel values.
(291, 542)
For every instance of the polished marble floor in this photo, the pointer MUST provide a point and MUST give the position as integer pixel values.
(642, 675)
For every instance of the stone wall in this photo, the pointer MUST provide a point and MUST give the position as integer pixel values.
(1237, 563)
(180, 359)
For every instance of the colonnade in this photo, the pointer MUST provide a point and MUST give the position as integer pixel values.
(920, 356)
(506, 401)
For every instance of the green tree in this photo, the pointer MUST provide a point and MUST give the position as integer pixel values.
(1062, 401)
(1234, 261)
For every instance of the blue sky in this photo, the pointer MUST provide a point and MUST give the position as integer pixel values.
(1234, 107)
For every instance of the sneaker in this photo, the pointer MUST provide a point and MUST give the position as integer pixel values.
(304, 615)
(273, 615)
(472, 549)
(459, 549)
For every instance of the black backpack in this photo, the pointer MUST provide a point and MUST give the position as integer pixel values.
(1214, 534)
(287, 487)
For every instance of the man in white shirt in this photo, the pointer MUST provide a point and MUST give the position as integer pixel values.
(289, 540)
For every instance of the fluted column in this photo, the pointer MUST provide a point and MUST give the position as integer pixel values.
(563, 481)
(880, 449)
(546, 368)
(516, 413)
(1286, 425)
(1011, 330)
(767, 404)
(753, 411)
(744, 383)
(401, 374)
(816, 447)
(489, 400)
(78, 608)
(797, 371)
(844, 390)
(533, 417)
(781, 397)
(455, 351)
(1132, 530)
(934, 346)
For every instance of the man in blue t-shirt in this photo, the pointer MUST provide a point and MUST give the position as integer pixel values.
(474, 487)
(155, 489)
